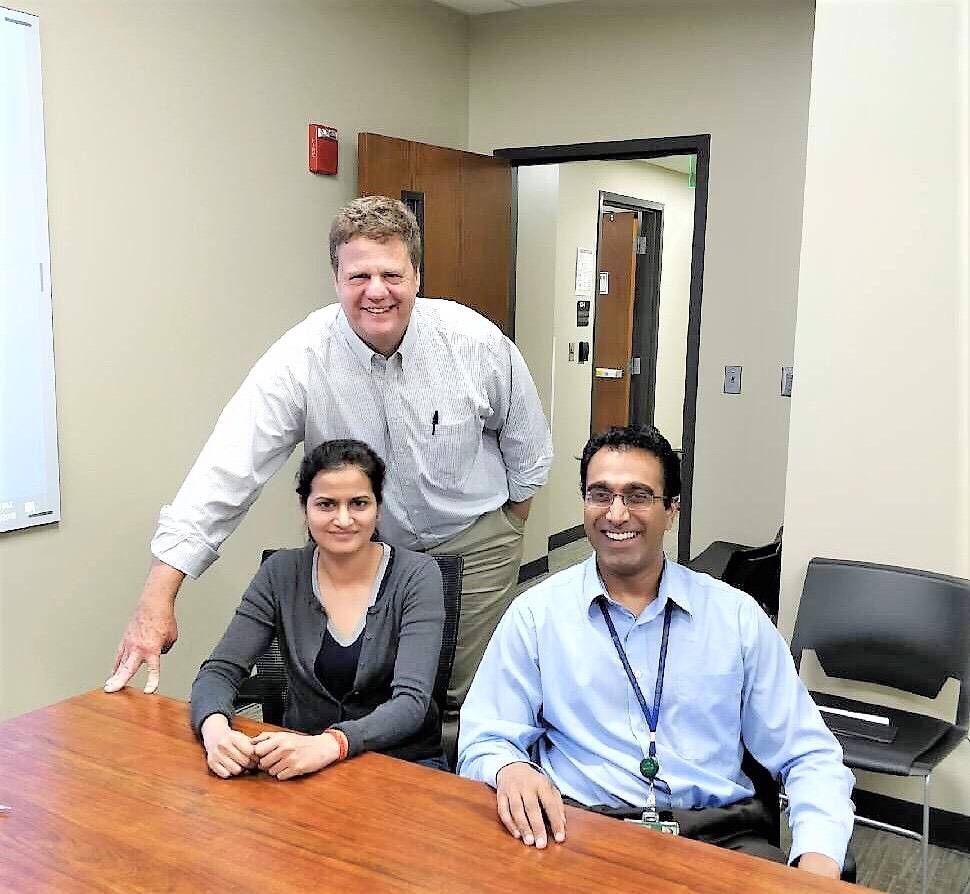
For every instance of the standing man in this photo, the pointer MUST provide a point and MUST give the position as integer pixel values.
(630, 683)
(436, 389)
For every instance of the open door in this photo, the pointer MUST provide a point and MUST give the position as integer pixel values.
(613, 323)
(464, 203)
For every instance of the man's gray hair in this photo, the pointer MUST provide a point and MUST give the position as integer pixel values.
(378, 218)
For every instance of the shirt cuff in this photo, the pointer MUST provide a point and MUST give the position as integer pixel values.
(819, 837)
(493, 763)
(190, 556)
(518, 493)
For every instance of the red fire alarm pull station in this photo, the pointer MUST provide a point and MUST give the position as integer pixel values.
(323, 149)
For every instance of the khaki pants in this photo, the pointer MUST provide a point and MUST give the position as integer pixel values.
(492, 550)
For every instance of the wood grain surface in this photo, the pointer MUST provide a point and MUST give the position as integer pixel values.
(111, 793)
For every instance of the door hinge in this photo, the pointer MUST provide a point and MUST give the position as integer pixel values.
(634, 366)
(641, 248)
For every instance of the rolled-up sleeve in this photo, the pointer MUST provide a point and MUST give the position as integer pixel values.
(500, 715)
(254, 436)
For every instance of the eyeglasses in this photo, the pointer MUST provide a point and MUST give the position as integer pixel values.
(601, 498)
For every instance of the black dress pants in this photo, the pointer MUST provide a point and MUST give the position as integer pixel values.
(744, 826)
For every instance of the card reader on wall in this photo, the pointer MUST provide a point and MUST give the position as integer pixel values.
(584, 352)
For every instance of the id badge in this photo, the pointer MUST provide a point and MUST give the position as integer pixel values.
(651, 820)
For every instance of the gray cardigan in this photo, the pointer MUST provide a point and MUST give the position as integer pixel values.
(390, 707)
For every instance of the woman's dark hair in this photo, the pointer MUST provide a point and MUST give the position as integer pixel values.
(339, 454)
(638, 437)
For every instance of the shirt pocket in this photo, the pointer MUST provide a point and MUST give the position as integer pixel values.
(451, 451)
(706, 717)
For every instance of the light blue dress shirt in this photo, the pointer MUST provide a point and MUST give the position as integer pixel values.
(551, 688)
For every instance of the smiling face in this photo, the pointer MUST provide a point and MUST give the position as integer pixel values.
(341, 510)
(377, 285)
(627, 542)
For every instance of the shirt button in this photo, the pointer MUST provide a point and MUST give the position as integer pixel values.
(638, 674)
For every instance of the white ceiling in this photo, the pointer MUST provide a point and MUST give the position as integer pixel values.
(679, 163)
(479, 7)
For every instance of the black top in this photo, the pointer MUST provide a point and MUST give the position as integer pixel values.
(336, 665)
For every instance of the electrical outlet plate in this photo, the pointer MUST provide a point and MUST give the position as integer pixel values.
(732, 379)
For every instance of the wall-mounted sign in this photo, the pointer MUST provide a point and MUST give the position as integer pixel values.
(585, 272)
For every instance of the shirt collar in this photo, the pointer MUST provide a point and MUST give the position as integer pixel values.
(364, 353)
(408, 346)
(673, 585)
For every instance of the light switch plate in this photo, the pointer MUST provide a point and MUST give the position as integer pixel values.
(787, 373)
(732, 379)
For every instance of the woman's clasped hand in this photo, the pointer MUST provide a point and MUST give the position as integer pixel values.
(283, 755)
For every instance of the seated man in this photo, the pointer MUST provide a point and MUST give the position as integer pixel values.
(629, 676)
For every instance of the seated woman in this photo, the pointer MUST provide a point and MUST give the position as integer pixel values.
(359, 625)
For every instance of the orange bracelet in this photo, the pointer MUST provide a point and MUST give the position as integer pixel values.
(342, 742)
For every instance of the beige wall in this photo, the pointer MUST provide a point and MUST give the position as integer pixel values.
(535, 310)
(739, 71)
(187, 234)
(557, 213)
(879, 434)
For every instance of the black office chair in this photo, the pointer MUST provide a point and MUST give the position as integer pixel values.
(754, 569)
(714, 558)
(757, 571)
(267, 687)
(896, 627)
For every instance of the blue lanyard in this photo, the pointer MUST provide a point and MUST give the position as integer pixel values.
(652, 717)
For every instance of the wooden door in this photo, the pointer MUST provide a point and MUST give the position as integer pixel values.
(467, 217)
(613, 332)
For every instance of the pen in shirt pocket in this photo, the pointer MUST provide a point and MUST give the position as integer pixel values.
(434, 422)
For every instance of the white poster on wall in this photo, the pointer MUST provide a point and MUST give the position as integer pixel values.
(585, 272)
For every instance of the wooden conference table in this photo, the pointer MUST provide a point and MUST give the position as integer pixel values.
(111, 793)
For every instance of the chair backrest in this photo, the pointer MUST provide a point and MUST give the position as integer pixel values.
(268, 685)
(451, 568)
(891, 626)
(757, 571)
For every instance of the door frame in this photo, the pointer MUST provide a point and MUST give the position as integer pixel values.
(625, 150)
(646, 301)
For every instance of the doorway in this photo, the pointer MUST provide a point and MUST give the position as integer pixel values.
(627, 324)
(469, 209)
(697, 146)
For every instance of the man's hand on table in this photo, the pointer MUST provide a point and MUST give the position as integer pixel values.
(285, 755)
(819, 864)
(228, 752)
(151, 631)
(521, 794)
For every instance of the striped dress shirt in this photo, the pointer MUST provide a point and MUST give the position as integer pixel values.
(454, 414)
